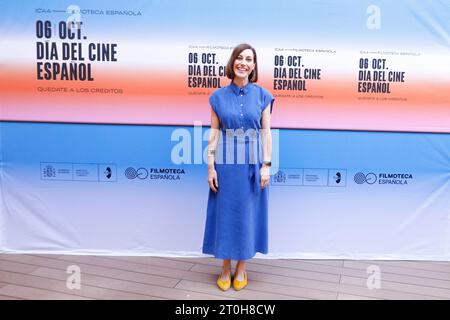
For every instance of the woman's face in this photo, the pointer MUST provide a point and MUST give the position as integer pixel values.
(244, 64)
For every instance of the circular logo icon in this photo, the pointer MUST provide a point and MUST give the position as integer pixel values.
(142, 173)
(130, 173)
(361, 178)
(371, 178)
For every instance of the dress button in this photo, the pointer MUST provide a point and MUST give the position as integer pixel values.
(241, 94)
(242, 115)
(242, 104)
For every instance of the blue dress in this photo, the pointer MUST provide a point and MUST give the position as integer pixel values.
(237, 215)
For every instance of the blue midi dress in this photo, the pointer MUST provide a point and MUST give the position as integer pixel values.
(237, 215)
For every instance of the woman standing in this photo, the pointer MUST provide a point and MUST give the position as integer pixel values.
(239, 159)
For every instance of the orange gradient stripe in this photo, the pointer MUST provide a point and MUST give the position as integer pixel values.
(156, 97)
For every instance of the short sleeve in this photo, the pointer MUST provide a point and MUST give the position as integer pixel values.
(268, 99)
(213, 102)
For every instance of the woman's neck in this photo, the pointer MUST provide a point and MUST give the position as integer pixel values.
(240, 82)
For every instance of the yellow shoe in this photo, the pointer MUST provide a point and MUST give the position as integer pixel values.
(224, 285)
(239, 285)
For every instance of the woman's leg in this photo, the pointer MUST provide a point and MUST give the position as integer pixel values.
(226, 270)
(240, 269)
(224, 280)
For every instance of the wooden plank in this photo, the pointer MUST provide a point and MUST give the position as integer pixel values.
(321, 262)
(16, 267)
(400, 278)
(412, 265)
(398, 270)
(298, 265)
(29, 293)
(33, 261)
(46, 255)
(156, 261)
(294, 273)
(359, 290)
(344, 296)
(9, 298)
(441, 263)
(295, 292)
(400, 287)
(303, 265)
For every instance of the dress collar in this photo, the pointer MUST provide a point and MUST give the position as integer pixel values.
(236, 89)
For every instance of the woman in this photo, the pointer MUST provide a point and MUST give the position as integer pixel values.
(239, 153)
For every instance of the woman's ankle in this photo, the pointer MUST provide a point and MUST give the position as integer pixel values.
(240, 267)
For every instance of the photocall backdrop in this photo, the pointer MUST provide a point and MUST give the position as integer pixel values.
(104, 121)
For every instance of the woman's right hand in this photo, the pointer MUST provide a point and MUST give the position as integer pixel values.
(212, 179)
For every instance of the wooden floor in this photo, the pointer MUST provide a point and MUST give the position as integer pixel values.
(105, 277)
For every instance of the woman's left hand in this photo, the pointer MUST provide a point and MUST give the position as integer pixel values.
(265, 176)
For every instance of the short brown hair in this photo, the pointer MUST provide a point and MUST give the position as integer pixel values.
(253, 77)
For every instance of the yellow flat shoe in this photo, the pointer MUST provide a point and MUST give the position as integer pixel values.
(239, 285)
(224, 285)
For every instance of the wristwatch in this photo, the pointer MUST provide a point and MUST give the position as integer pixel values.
(267, 163)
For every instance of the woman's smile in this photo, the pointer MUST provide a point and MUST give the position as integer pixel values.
(244, 64)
